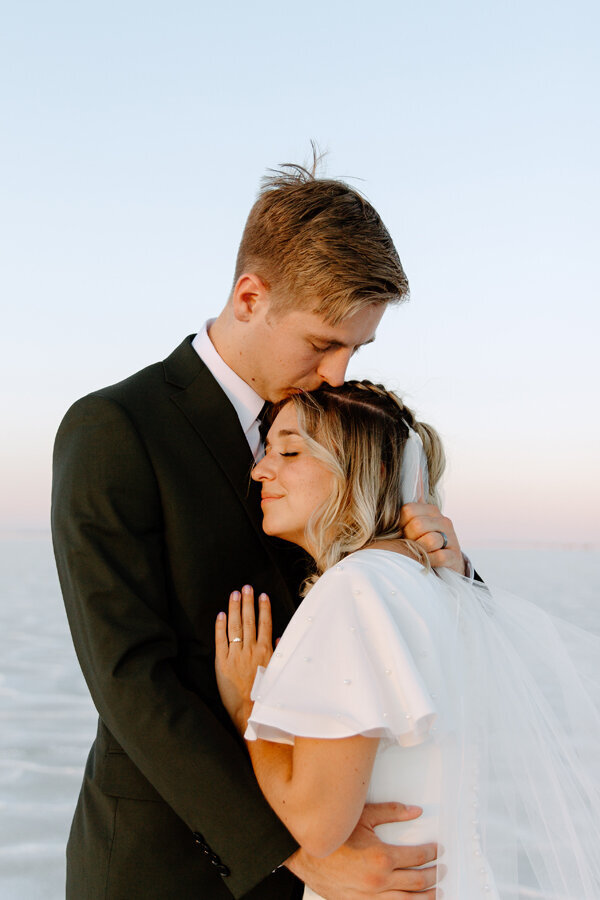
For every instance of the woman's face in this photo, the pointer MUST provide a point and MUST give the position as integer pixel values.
(294, 483)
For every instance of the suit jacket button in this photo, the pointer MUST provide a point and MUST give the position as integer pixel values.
(199, 839)
(223, 870)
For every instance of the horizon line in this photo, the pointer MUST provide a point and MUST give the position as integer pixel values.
(483, 543)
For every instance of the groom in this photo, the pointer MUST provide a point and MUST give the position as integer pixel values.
(155, 520)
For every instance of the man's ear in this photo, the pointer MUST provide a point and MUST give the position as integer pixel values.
(250, 295)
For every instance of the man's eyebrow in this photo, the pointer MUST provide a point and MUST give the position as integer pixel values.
(333, 342)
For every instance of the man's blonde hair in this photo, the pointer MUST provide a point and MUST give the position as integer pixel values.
(319, 245)
(359, 430)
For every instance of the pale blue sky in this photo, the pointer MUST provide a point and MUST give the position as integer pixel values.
(134, 138)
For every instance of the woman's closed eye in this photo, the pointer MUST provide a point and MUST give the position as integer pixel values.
(290, 453)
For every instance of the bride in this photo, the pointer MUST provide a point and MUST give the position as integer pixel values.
(394, 681)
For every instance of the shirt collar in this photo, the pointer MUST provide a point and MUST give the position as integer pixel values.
(244, 399)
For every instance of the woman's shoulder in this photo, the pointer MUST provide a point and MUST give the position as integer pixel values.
(373, 571)
(375, 562)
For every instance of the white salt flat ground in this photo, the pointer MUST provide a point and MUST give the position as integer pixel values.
(47, 721)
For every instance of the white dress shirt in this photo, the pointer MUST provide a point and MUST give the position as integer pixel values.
(244, 399)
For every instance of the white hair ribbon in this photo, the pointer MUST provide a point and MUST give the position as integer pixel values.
(414, 478)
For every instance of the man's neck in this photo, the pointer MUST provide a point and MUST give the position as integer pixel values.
(219, 333)
(223, 340)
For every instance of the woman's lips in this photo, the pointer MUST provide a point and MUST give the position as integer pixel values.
(267, 497)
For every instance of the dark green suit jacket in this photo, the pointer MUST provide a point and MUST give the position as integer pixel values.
(155, 521)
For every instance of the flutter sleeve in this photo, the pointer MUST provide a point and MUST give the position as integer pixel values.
(344, 667)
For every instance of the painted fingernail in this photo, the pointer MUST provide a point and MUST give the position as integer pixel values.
(246, 589)
(221, 615)
(263, 597)
(235, 595)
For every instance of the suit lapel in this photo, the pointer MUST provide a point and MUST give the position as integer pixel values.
(212, 416)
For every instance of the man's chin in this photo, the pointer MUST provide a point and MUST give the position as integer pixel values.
(280, 394)
(284, 394)
(289, 392)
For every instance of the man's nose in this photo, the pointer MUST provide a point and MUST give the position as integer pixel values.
(332, 368)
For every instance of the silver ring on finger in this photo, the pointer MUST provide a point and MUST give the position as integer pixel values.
(445, 539)
(236, 641)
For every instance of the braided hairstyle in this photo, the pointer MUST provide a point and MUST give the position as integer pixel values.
(359, 431)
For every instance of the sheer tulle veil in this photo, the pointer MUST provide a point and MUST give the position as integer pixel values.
(522, 759)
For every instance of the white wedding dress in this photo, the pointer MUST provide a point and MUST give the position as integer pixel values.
(484, 720)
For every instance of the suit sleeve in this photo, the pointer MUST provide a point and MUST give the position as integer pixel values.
(108, 539)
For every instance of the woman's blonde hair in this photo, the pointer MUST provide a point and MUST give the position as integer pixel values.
(359, 431)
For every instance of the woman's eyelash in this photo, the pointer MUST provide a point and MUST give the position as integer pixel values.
(294, 453)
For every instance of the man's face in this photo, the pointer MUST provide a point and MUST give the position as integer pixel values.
(299, 350)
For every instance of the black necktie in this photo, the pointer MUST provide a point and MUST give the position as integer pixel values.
(263, 420)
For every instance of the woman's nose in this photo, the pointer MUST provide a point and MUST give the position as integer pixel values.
(261, 471)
